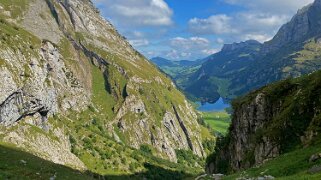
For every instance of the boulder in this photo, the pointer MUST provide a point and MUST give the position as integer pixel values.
(315, 157)
(315, 169)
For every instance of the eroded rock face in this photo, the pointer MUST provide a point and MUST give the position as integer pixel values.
(274, 120)
(47, 80)
(19, 104)
(44, 86)
(242, 150)
(304, 24)
(44, 80)
(173, 133)
(55, 150)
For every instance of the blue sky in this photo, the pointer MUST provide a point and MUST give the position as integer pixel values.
(193, 29)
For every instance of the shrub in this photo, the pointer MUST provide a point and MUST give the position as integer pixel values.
(146, 149)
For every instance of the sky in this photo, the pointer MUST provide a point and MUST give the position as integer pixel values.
(194, 29)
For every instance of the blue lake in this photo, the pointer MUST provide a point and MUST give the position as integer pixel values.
(219, 105)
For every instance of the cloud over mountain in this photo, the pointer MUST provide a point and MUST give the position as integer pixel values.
(260, 19)
(137, 13)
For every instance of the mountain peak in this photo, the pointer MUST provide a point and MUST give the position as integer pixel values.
(317, 2)
(241, 45)
(303, 26)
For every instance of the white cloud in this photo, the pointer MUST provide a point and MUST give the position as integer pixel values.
(138, 34)
(210, 51)
(217, 24)
(173, 55)
(137, 13)
(259, 21)
(137, 39)
(238, 25)
(258, 37)
(272, 6)
(220, 41)
(139, 42)
(190, 43)
(189, 48)
(147, 23)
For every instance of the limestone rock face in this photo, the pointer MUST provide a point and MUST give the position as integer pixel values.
(43, 79)
(271, 121)
(57, 151)
(303, 25)
(48, 63)
(248, 120)
(43, 26)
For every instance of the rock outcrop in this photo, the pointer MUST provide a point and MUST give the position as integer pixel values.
(270, 122)
(304, 25)
(241, 46)
(242, 150)
(48, 57)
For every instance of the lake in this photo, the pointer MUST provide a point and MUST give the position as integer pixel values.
(219, 105)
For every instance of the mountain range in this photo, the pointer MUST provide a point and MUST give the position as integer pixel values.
(79, 102)
(242, 67)
(179, 71)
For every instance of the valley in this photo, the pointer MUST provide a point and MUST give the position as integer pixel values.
(258, 81)
(219, 121)
(79, 100)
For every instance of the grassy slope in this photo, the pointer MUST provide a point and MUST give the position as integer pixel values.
(92, 143)
(16, 7)
(98, 150)
(88, 132)
(180, 74)
(218, 121)
(16, 164)
(290, 166)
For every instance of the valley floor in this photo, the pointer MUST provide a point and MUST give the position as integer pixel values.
(218, 121)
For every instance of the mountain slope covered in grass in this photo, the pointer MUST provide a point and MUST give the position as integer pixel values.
(78, 94)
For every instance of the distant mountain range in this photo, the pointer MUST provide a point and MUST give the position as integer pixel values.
(162, 62)
(242, 67)
(179, 71)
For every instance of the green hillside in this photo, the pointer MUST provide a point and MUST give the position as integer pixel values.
(286, 120)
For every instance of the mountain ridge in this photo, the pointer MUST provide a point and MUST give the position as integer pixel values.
(77, 91)
(280, 58)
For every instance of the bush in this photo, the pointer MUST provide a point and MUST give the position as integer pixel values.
(146, 149)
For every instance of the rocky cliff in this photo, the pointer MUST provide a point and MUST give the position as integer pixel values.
(304, 25)
(271, 121)
(65, 67)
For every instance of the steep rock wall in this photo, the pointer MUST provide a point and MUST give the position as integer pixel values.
(271, 121)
